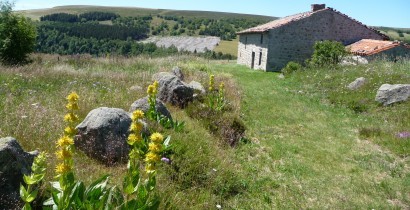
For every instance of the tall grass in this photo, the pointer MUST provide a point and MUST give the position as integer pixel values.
(309, 147)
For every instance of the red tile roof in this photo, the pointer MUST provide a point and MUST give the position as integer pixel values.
(367, 47)
(289, 19)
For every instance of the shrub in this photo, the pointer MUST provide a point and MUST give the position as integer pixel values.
(17, 36)
(327, 53)
(291, 67)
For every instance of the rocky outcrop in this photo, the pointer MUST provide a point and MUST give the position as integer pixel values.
(353, 60)
(178, 72)
(143, 105)
(389, 94)
(173, 90)
(358, 83)
(14, 163)
(103, 135)
(197, 87)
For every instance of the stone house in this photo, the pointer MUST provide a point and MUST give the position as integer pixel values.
(272, 45)
(371, 49)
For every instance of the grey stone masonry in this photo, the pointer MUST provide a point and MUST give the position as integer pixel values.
(292, 38)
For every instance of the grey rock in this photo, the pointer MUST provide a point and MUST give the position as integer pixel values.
(143, 105)
(389, 94)
(173, 90)
(281, 76)
(198, 87)
(178, 72)
(353, 60)
(14, 163)
(358, 83)
(103, 135)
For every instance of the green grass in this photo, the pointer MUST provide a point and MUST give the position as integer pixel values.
(308, 147)
(230, 47)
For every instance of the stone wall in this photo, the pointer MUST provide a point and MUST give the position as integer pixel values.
(294, 41)
(393, 54)
(251, 43)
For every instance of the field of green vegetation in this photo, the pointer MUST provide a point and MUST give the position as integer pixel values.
(310, 142)
(401, 34)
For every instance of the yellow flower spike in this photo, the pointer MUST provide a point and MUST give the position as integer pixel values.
(133, 138)
(151, 89)
(63, 154)
(73, 97)
(70, 117)
(72, 106)
(70, 131)
(156, 84)
(137, 114)
(211, 82)
(157, 138)
(156, 148)
(136, 127)
(222, 86)
(65, 141)
(62, 168)
(152, 157)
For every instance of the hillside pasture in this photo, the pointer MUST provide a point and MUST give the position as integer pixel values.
(306, 145)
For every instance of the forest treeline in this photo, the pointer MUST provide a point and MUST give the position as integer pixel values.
(102, 33)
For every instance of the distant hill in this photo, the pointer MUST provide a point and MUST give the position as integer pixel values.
(135, 11)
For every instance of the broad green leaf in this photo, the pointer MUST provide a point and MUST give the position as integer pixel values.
(23, 193)
(26, 206)
(32, 195)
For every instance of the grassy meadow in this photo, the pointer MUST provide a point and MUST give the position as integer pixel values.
(310, 142)
(228, 47)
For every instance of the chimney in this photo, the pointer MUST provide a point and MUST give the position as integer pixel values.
(316, 7)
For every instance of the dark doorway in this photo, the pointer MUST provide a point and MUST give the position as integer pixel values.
(253, 60)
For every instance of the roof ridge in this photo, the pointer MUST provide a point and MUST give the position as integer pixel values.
(360, 23)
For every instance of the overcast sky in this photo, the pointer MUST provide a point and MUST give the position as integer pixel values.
(393, 13)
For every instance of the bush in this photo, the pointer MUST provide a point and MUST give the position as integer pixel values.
(327, 53)
(291, 67)
(17, 36)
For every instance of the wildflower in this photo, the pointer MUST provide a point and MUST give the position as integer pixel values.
(155, 147)
(166, 160)
(221, 86)
(133, 138)
(157, 138)
(137, 114)
(211, 82)
(72, 106)
(136, 127)
(63, 154)
(156, 84)
(151, 89)
(152, 157)
(70, 117)
(72, 98)
(62, 168)
(403, 135)
(65, 141)
(70, 131)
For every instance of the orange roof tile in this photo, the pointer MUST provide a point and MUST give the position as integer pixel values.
(370, 47)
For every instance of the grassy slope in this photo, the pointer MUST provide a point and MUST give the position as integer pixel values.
(304, 153)
(309, 154)
(134, 11)
(230, 47)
